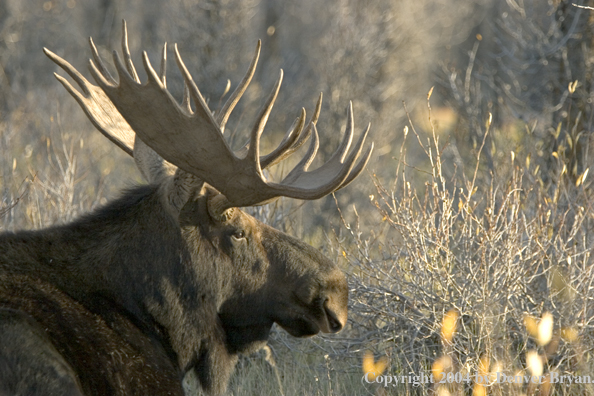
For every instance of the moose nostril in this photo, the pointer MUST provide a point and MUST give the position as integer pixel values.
(335, 325)
(333, 322)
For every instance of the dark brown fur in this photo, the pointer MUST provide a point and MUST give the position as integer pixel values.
(126, 300)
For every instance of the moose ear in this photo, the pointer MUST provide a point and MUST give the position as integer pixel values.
(218, 208)
(178, 189)
(150, 164)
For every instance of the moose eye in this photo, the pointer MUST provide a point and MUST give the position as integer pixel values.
(238, 235)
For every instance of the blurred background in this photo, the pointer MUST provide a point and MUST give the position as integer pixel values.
(477, 198)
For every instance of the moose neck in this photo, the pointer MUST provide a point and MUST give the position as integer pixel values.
(130, 255)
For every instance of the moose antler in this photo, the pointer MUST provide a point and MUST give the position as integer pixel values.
(103, 114)
(193, 140)
(97, 106)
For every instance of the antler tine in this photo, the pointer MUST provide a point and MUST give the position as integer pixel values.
(283, 150)
(99, 62)
(96, 105)
(349, 164)
(254, 150)
(288, 147)
(361, 165)
(338, 155)
(308, 158)
(229, 105)
(331, 176)
(103, 80)
(72, 72)
(316, 115)
(201, 106)
(313, 121)
(163, 71)
(126, 53)
(292, 134)
(341, 151)
(186, 105)
(150, 72)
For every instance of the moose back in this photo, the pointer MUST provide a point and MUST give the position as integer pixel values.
(172, 276)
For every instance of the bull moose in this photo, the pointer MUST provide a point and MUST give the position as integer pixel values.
(172, 276)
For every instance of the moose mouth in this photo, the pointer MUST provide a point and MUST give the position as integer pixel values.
(309, 324)
(333, 323)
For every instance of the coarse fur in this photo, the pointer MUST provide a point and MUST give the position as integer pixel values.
(127, 299)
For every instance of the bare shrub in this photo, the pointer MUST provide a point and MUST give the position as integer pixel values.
(497, 254)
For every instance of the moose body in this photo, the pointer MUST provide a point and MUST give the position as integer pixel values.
(171, 277)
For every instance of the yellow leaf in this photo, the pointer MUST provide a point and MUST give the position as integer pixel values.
(443, 391)
(441, 365)
(582, 177)
(545, 329)
(557, 131)
(569, 334)
(545, 388)
(497, 368)
(479, 390)
(484, 364)
(531, 325)
(372, 367)
(448, 326)
(534, 363)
